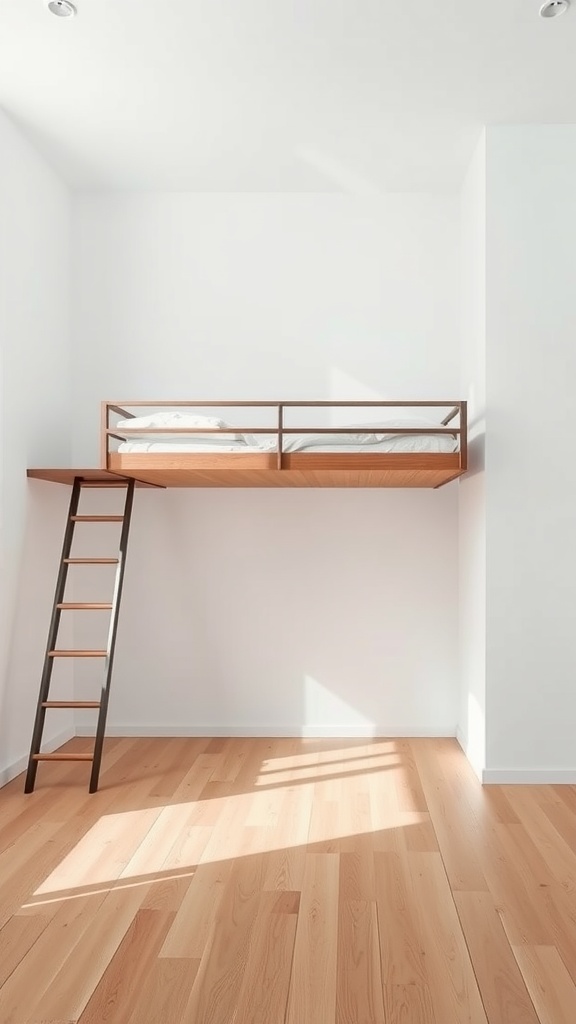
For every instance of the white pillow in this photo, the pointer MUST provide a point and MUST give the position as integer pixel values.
(291, 441)
(140, 424)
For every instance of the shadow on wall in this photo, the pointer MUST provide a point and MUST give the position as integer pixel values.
(476, 446)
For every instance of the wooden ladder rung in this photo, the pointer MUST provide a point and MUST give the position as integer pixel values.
(91, 561)
(77, 654)
(97, 519)
(86, 605)
(62, 757)
(105, 484)
(70, 703)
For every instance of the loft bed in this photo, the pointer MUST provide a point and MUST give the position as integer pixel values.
(168, 447)
(169, 444)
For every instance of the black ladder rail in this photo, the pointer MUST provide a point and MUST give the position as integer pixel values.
(111, 645)
(52, 636)
(59, 605)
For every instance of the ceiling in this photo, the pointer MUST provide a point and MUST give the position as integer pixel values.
(295, 95)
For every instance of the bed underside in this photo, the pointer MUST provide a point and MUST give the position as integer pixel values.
(298, 470)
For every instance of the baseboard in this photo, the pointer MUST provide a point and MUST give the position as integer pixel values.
(489, 776)
(12, 770)
(530, 776)
(307, 731)
(518, 776)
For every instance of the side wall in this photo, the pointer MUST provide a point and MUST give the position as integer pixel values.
(276, 611)
(531, 484)
(34, 352)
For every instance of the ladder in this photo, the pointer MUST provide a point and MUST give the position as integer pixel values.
(59, 606)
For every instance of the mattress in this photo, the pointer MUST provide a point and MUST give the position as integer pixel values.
(401, 443)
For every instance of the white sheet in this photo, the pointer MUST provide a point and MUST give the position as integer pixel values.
(394, 443)
(199, 448)
(298, 443)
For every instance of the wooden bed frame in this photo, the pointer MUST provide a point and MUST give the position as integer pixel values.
(277, 468)
(281, 469)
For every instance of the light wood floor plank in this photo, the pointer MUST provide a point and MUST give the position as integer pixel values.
(45, 964)
(451, 978)
(312, 997)
(165, 993)
(263, 996)
(217, 987)
(114, 996)
(88, 960)
(552, 989)
(400, 934)
(359, 998)
(193, 923)
(16, 940)
(409, 1004)
(504, 993)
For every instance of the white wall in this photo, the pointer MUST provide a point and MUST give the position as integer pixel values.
(472, 488)
(34, 345)
(279, 611)
(531, 479)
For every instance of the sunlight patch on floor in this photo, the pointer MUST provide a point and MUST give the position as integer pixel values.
(158, 841)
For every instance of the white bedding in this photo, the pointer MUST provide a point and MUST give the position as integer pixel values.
(198, 447)
(299, 443)
(139, 426)
(371, 437)
(399, 443)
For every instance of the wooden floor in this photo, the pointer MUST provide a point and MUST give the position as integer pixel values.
(286, 882)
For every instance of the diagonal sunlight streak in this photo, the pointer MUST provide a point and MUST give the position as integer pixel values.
(328, 771)
(359, 751)
(104, 887)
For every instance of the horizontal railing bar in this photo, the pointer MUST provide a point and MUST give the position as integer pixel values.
(372, 429)
(292, 404)
(191, 430)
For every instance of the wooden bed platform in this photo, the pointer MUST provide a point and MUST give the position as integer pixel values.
(277, 468)
(302, 469)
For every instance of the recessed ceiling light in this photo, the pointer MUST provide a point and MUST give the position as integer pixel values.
(553, 8)
(61, 8)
